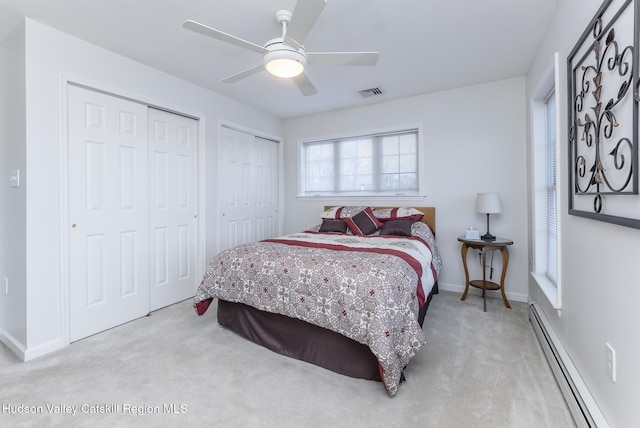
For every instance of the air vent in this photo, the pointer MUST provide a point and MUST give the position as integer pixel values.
(371, 92)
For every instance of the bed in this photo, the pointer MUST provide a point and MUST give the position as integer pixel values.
(349, 295)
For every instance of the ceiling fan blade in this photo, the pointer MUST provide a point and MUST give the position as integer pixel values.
(343, 58)
(243, 74)
(220, 35)
(305, 14)
(304, 85)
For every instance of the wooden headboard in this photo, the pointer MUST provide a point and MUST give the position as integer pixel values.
(429, 214)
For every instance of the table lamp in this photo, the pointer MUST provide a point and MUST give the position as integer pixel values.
(488, 203)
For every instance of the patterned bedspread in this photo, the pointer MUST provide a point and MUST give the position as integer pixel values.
(366, 288)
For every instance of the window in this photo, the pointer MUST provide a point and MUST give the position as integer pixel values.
(546, 270)
(550, 186)
(379, 164)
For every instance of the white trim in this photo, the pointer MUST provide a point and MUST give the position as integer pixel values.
(44, 349)
(560, 88)
(583, 407)
(202, 196)
(372, 131)
(548, 289)
(63, 185)
(26, 354)
(368, 198)
(248, 130)
(13, 344)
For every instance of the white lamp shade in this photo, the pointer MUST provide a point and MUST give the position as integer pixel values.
(488, 203)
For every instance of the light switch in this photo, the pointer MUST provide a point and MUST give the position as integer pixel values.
(14, 180)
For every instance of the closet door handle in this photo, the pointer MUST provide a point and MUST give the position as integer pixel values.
(73, 226)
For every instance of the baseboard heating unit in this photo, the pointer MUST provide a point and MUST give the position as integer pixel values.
(583, 408)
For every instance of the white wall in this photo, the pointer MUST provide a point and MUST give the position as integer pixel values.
(600, 268)
(474, 141)
(50, 55)
(12, 199)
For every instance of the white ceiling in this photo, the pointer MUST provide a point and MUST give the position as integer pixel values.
(425, 45)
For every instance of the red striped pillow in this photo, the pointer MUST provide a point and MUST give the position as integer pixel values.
(363, 223)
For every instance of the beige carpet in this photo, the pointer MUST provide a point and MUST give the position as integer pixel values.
(177, 369)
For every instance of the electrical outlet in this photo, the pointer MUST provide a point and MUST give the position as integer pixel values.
(611, 362)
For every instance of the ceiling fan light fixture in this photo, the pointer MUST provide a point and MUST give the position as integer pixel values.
(286, 56)
(284, 63)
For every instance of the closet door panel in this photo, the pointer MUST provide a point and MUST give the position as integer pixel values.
(108, 207)
(237, 192)
(173, 143)
(266, 188)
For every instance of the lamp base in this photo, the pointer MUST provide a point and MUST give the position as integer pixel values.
(487, 236)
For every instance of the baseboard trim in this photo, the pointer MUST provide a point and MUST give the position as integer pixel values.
(581, 404)
(26, 354)
(44, 349)
(13, 344)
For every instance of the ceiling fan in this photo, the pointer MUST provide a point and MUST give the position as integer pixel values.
(286, 56)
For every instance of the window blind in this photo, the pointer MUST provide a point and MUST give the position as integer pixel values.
(550, 184)
(385, 163)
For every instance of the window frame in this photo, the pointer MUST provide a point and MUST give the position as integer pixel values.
(368, 195)
(551, 289)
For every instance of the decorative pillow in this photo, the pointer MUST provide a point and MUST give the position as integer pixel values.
(329, 225)
(400, 213)
(397, 227)
(363, 223)
(342, 212)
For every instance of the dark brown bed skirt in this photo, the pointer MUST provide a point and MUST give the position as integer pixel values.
(307, 342)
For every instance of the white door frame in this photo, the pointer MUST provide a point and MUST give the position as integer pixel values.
(256, 133)
(65, 80)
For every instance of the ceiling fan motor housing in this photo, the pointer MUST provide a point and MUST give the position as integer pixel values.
(283, 60)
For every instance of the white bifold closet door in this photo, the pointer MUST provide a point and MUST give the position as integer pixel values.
(249, 188)
(132, 205)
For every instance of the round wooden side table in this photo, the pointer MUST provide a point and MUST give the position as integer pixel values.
(499, 244)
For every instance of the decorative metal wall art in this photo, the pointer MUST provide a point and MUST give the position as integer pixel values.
(603, 102)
